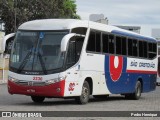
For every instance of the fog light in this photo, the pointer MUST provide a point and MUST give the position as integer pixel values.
(58, 89)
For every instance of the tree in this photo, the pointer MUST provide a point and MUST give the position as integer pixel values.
(16, 12)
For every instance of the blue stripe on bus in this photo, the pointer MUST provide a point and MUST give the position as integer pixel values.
(117, 32)
(127, 81)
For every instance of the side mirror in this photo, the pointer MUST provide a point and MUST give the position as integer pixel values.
(7, 37)
(66, 39)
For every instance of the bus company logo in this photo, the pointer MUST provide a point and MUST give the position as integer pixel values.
(71, 86)
(30, 83)
(115, 67)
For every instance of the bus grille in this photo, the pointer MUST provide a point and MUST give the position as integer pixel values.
(30, 83)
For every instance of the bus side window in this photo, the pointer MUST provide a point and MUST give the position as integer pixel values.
(94, 42)
(135, 48)
(79, 30)
(74, 51)
(118, 45)
(130, 49)
(98, 42)
(79, 44)
(111, 44)
(145, 49)
(124, 46)
(105, 43)
(71, 59)
(141, 50)
(152, 50)
(91, 42)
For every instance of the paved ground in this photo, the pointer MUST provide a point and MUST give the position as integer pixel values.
(148, 102)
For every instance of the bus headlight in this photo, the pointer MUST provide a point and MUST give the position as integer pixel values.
(12, 79)
(52, 81)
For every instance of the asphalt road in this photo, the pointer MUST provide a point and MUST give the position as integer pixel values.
(148, 102)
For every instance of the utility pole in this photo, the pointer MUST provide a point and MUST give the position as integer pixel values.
(15, 15)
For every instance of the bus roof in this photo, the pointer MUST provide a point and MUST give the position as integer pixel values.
(53, 24)
(64, 24)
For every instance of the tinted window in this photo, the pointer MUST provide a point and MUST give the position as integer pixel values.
(111, 44)
(118, 45)
(152, 50)
(130, 49)
(141, 49)
(124, 51)
(98, 42)
(91, 42)
(105, 43)
(145, 49)
(74, 51)
(135, 48)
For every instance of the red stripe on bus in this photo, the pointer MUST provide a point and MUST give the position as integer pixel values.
(141, 71)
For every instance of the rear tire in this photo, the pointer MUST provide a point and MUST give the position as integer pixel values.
(84, 98)
(37, 99)
(137, 94)
(138, 89)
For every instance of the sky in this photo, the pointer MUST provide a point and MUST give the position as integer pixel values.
(143, 13)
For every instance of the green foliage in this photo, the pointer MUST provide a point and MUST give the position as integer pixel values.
(26, 10)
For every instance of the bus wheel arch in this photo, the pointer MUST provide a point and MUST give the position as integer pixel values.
(86, 92)
(90, 82)
(141, 81)
(138, 88)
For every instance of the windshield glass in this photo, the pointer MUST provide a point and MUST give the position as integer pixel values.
(37, 52)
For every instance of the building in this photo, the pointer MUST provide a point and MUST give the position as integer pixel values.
(135, 29)
(98, 18)
(156, 33)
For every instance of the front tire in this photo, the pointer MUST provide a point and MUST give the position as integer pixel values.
(84, 98)
(37, 99)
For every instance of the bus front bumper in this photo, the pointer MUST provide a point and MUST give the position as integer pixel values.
(52, 90)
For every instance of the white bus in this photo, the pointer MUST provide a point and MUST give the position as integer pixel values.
(75, 59)
(158, 73)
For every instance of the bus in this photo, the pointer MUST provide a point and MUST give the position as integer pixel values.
(68, 58)
(158, 73)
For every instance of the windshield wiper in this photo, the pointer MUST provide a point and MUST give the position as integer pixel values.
(42, 63)
(27, 57)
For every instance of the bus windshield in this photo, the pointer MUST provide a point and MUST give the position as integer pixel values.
(37, 52)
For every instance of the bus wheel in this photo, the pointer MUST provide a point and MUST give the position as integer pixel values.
(37, 99)
(137, 94)
(138, 89)
(84, 98)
